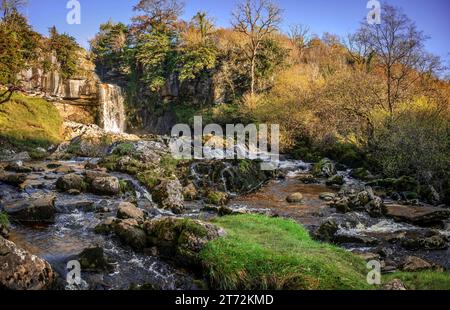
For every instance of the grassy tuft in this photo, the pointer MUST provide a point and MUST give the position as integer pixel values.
(425, 280)
(273, 253)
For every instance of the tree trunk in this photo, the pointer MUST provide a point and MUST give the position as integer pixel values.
(252, 73)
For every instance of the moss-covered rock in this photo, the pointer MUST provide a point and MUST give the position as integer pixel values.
(71, 181)
(324, 168)
(169, 195)
(93, 259)
(131, 233)
(181, 240)
(232, 176)
(335, 180)
(14, 179)
(36, 209)
(217, 198)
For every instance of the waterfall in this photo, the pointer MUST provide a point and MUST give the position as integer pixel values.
(112, 108)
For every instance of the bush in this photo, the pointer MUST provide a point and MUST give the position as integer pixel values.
(416, 143)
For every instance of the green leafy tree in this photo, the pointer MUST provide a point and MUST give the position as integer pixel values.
(153, 39)
(19, 46)
(66, 49)
(197, 52)
(109, 47)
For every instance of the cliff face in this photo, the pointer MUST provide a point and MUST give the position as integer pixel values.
(50, 82)
(83, 98)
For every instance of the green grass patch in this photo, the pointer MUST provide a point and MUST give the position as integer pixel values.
(424, 280)
(4, 221)
(273, 253)
(28, 123)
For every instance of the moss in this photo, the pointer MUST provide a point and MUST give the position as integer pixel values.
(28, 123)
(272, 253)
(217, 198)
(425, 280)
(4, 221)
(124, 149)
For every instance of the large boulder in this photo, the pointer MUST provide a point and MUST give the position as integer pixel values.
(360, 201)
(37, 209)
(417, 215)
(130, 233)
(109, 186)
(327, 231)
(70, 181)
(180, 240)
(413, 263)
(428, 240)
(93, 259)
(20, 270)
(14, 179)
(128, 210)
(169, 195)
(324, 168)
(229, 176)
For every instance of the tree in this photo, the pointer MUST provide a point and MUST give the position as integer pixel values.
(197, 49)
(109, 47)
(161, 14)
(154, 38)
(10, 6)
(19, 46)
(399, 51)
(66, 49)
(256, 19)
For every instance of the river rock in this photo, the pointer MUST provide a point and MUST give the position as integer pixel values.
(106, 226)
(20, 270)
(335, 180)
(181, 240)
(108, 186)
(70, 181)
(417, 215)
(357, 239)
(217, 198)
(38, 209)
(93, 259)
(394, 285)
(327, 231)
(130, 233)
(295, 198)
(190, 192)
(14, 179)
(431, 240)
(18, 167)
(169, 195)
(324, 168)
(413, 263)
(327, 196)
(127, 210)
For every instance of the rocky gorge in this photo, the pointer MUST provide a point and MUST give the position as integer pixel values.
(136, 218)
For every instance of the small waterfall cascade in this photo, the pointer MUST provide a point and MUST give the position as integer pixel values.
(112, 109)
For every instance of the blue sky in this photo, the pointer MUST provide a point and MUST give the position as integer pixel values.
(335, 16)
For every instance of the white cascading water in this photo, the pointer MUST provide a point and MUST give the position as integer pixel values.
(112, 108)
